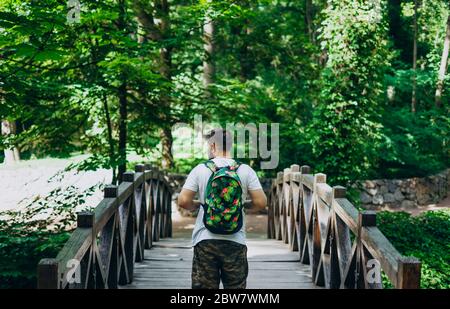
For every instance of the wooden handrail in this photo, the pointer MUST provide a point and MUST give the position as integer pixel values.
(342, 245)
(102, 250)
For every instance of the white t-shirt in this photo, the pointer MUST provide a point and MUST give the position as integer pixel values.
(197, 181)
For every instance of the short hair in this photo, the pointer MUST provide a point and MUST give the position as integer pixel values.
(221, 138)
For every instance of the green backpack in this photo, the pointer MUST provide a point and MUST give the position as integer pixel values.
(223, 200)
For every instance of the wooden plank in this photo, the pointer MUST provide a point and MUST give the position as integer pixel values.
(125, 191)
(295, 176)
(271, 265)
(75, 248)
(347, 212)
(324, 191)
(308, 180)
(382, 250)
(104, 211)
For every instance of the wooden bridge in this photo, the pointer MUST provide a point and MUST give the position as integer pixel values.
(316, 238)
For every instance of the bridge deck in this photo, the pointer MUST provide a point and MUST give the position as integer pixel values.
(271, 265)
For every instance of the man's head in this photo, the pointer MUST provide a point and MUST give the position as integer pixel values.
(219, 142)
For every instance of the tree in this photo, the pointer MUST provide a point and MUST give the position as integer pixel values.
(414, 77)
(12, 154)
(209, 68)
(345, 131)
(443, 66)
(160, 32)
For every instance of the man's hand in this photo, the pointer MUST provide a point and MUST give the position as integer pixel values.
(259, 199)
(186, 200)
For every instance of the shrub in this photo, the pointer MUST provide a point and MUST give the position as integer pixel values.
(38, 231)
(426, 237)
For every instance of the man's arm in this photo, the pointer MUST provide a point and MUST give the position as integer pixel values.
(186, 200)
(259, 199)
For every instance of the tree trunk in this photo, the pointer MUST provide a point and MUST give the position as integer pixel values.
(157, 32)
(123, 114)
(246, 64)
(167, 141)
(443, 66)
(245, 59)
(309, 20)
(166, 72)
(123, 108)
(110, 138)
(12, 155)
(209, 68)
(414, 77)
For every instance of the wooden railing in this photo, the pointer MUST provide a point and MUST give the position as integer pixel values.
(343, 246)
(102, 250)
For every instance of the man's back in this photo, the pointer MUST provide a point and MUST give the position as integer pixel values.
(197, 181)
(219, 257)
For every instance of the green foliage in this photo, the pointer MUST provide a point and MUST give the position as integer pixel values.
(336, 75)
(345, 129)
(21, 252)
(414, 145)
(427, 237)
(37, 231)
(321, 71)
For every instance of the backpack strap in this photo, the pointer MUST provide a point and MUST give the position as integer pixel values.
(236, 165)
(211, 165)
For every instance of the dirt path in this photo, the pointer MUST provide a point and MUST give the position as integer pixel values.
(444, 204)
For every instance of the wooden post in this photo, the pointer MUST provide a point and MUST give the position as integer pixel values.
(285, 207)
(279, 178)
(305, 169)
(339, 192)
(128, 177)
(295, 168)
(340, 241)
(277, 204)
(408, 273)
(303, 234)
(129, 223)
(294, 194)
(111, 191)
(319, 178)
(317, 238)
(140, 168)
(48, 274)
(85, 219)
(365, 218)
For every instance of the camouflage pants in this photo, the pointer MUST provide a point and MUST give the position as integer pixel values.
(216, 260)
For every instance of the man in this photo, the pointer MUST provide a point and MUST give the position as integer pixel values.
(220, 256)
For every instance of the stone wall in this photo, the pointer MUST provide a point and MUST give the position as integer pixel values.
(404, 193)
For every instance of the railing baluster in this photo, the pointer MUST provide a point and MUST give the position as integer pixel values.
(105, 245)
(318, 220)
(86, 220)
(317, 268)
(129, 228)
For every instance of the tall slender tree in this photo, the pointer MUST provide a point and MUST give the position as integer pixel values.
(414, 76)
(12, 154)
(443, 66)
(209, 67)
(155, 21)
